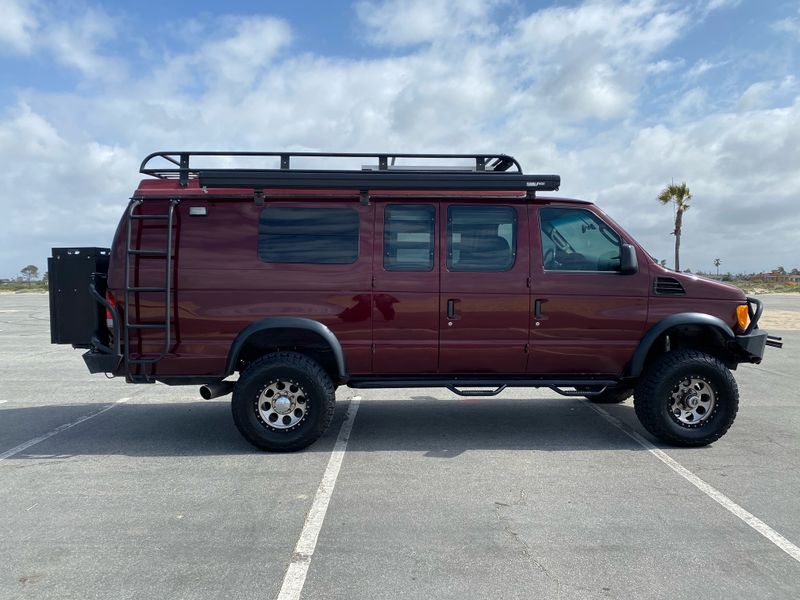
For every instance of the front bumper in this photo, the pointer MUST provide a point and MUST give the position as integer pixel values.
(751, 343)
(751, 346)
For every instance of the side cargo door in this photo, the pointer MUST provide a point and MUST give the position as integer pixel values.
(485, 303)
(405, 308)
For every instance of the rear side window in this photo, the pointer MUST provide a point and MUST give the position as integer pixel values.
(481, 238)
(576, 240)
(308, 235)
(408, 237)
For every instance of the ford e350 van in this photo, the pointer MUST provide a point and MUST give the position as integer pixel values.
(414, 270)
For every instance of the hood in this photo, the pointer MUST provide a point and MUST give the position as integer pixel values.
(700, 287)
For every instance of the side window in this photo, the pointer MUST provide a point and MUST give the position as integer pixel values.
(408, 231)
(481, 238)
(576, 240)
(308, 235)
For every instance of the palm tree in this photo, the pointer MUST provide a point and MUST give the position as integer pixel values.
(717, 263)
(680, 195)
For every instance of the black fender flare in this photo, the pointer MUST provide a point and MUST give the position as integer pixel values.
(702, 319)
(287, 323)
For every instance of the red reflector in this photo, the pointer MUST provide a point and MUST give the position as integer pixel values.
(109, 317)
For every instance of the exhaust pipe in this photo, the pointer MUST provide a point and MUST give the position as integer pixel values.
(216, 389)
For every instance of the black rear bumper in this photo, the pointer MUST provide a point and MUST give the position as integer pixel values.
(99, 361)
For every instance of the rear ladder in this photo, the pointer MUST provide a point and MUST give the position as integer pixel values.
(131, 253)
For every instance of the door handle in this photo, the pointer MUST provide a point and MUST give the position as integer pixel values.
(537, 309)
(451, 308)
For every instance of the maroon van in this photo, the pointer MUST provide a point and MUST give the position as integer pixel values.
(415, 270)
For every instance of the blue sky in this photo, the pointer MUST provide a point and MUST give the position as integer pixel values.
(617, 97)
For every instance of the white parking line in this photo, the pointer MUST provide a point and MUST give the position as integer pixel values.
(295, 576)
(59, 429)
(709, 490)
(3, 401)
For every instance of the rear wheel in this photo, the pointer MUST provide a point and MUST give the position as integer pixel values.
(283, 402)
(687, 398)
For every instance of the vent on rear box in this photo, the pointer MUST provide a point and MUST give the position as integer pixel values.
(668, 286)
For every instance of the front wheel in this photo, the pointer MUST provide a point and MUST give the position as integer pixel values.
(687, 398)
(283, 402)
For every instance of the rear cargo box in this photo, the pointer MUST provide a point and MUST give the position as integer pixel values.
(75, 315)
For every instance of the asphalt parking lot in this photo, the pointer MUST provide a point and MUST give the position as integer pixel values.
(110, 490)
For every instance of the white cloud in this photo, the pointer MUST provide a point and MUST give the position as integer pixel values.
(590, 61)
(17, 26)
(764, 94)
(790, 25)
(689, 104)
(409, 22)
(756, 96)
(630, 29)
(242, 55)
(72, 39)
(663, 66)
(718, 4)
(26, 134)
(77, 44)
(703, 66)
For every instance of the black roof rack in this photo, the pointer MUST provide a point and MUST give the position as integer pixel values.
(488, 172)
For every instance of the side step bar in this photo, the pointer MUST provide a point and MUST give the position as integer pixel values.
(479, 392)
(460, 386)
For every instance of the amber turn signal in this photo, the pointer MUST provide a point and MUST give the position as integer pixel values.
(743, 316)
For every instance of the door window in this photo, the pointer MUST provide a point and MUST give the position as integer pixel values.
(576, 240)
(481, 238)
(408, 234)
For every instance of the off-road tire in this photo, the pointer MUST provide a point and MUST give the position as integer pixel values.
(660, 381)
(611, 395)
(318, 395)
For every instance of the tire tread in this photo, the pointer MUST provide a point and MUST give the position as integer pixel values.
(646, 405)
(292, 360)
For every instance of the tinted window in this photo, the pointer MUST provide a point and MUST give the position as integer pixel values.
(576, 240)
(481, 238)
(408, 237)
(308, 235)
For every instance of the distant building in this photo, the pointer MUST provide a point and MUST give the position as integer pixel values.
(778, 277)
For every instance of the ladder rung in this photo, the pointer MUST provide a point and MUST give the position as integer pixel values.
(149, 217)
(147, 289)
(158, 253)
(147, 325)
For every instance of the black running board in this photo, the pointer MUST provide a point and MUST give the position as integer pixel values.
(487, 386)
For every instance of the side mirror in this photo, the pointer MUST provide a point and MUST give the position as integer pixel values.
(628, 263)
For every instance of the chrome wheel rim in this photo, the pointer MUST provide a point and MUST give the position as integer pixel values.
(692, 401)
(282, 405)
